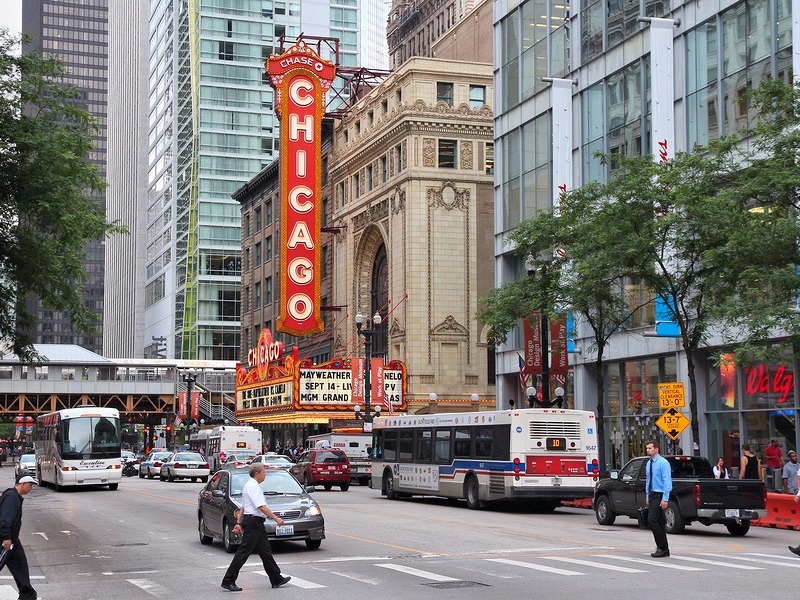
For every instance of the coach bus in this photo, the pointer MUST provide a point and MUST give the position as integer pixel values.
(242, 442)
(542, 456)
(79, 446)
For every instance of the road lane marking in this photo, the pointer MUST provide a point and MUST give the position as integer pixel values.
(417, 572)
(717, 563)
(355, 577)
(755, 560)
(589, 563)
(151, 587)
(654, 563)
(297, 582)
(517, 563)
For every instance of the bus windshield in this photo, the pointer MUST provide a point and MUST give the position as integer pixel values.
(89, 437)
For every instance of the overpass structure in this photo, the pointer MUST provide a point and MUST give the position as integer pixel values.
(143, 390)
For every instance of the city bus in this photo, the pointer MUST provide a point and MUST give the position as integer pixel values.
(198, 441)
(232, 439)
(542, 456)
(79, 446)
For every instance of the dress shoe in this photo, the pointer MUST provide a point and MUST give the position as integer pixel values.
(794, 550)
(231, 587)
(660, 553)
(283, 581)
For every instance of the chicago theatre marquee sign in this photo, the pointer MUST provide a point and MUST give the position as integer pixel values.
(301, 79)
(275, 388)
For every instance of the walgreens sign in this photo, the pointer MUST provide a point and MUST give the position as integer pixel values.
(301, 79)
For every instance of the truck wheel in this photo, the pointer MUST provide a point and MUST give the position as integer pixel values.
(603, 512)
(738, 529)
(675, 521)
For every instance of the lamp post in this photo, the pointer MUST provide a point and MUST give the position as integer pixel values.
(189, 378)
(367, 333)
(544, 333)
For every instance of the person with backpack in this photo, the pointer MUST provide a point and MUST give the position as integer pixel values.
(10, 526)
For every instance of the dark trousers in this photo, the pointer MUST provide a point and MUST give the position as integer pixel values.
(254, 540)
(657, 521)
(18, 566)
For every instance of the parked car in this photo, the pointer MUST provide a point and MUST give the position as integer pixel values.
(273, 460)
(695, 496)
(324, 466)
(151, 466)
(219, 501)
(239, 458)
(185, 465)
(26, 465)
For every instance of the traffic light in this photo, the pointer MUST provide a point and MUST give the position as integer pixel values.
(169, 428)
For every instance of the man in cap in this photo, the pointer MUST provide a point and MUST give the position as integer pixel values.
(10, 525)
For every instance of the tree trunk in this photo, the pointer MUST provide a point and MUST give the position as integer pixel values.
(600, 415)
(695, 426)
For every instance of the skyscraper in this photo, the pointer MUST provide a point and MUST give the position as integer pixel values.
(75, 31)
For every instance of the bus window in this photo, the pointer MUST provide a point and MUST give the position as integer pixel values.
(442, 446)
(462, 443)
(483, 442)
(390, 446)
(405, 447)
(424, 446)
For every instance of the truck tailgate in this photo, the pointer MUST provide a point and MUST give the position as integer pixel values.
(732, 493)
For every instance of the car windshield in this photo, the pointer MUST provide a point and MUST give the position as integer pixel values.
(330, 456)
(161, 455)
(188, 456)
(276, 482)
(27, 458)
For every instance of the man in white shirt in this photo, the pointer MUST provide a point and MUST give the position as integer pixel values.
(254, 536)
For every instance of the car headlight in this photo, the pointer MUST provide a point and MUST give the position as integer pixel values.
(313, 511)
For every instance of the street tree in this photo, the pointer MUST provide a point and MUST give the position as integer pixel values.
(48, 209)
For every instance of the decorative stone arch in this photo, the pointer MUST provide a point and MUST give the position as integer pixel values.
(368, 246)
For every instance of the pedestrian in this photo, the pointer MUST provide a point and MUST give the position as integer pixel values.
(250, 523)
(657, 486)
(749, 468)
(790, 474)
(10, 525)
(720, 472)
(774, 457)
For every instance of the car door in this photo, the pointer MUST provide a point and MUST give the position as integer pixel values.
(627, 497)
(213, 504)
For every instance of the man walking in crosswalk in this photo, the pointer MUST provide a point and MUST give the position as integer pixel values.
(658, 485)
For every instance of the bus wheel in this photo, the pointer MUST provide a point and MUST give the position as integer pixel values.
(388, 486)
(113, 486)
(471, 493)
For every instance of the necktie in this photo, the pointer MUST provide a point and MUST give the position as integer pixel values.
(650, 478)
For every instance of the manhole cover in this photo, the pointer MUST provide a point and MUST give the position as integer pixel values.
(130, 544)
(449, 585)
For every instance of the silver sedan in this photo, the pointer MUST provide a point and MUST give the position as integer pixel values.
(185, 465)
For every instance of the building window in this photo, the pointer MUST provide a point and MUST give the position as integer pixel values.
(489, 158)
(258, 254)
(226, 50)
(447, 154)
(477, 96)
(257, 300)
(258, 220)
(268, 215)
(384, 169)
(268, 291)
(398, 157)
(369, 177)
(444, 93)
(268, 249)
(357, 185)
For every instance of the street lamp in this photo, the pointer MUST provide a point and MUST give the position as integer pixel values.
(367, 333)
(189, 378)
(530, 392)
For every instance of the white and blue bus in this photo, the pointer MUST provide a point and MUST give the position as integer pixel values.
(539, 455)
(79, 446)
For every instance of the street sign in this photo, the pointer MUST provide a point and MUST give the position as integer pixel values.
(670, 395)
(672, 422)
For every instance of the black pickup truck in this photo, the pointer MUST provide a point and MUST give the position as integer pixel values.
(695, 496)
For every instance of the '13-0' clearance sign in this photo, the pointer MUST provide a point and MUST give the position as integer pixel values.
(301, 79)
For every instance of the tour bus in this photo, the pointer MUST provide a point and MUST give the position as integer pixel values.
(79, 446)
(539, 455)
(231, 439)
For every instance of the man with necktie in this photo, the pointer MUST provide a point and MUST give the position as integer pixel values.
(658, 485)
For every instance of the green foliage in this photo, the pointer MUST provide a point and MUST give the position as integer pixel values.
(47, 210)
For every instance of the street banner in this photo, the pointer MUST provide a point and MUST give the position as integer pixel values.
(534, 353)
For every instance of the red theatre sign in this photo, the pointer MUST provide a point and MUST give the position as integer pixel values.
(300, 78)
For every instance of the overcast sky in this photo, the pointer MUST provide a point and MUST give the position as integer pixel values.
(11, 15)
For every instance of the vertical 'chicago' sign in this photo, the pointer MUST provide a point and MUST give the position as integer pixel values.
(300, 78)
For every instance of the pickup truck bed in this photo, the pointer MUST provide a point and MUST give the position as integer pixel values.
(695, 496)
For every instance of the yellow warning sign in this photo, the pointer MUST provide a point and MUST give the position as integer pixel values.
(672, 422)
(670, 395)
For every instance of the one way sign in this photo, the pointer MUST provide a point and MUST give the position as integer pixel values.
(672, 422)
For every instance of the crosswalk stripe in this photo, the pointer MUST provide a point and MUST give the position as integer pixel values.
(755, 560)
(8, 592)
(596, 565)
(654, 563)
(535, 567)
(297, 582)
(356, 577)
(789, 557)
(717, 563)
(151, 587)
(417, 572)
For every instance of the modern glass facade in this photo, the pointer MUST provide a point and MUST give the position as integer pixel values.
(603, 50)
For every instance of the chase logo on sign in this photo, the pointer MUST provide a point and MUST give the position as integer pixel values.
(519, 429)
(590, 431)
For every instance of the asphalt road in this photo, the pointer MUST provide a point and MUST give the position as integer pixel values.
(140, 542)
